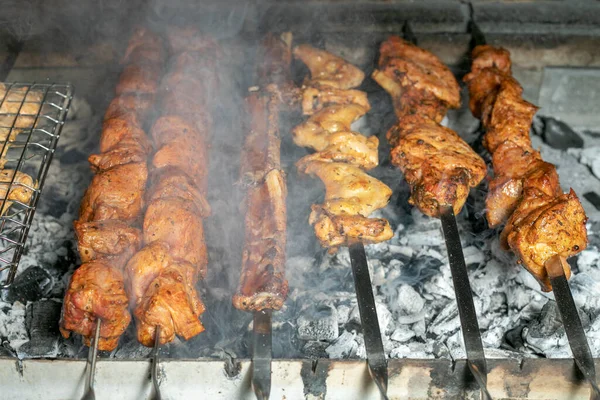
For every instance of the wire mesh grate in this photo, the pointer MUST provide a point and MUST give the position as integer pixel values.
(31, 119)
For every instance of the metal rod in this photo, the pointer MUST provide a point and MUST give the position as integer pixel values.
(154, 370)
(570, 318)
(464, 298)
(368, 317)
(91, 364)
(262, 354)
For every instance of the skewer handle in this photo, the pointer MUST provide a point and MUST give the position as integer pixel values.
(262, 354)
(154, 371)
(368, 318)
(555, 267)
(91, 364)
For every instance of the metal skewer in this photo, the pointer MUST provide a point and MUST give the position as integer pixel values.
(154, 370)
(368, 317)
(262, 354)
(571, 322)
(91, 364)
(464, 298)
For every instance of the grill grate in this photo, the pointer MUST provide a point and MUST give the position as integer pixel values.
(31, 119)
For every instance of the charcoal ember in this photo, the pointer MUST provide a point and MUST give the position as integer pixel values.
(361, 350)
(384, 316)
(455, 344)
(318, 323)
(409, 300)
(401, 253)
(493, 337)
(591, 158)
(420, 269)
(343, 313)
(585, 291)
(559, 135)
(6, 351)
(343, 347)
(315, 349)
(446, 322)
(514, 337)
(132, 349)
(32, 284)
(547, 332)
(588, 260)
(419, 328)
(12, 324)
(413, 350)
(473, 256)
(402, 334)
(40, 320)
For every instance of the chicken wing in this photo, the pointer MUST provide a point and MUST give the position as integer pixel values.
(327, 69)
(15, 186)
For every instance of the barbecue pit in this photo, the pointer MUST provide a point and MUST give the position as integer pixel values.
(317, 341)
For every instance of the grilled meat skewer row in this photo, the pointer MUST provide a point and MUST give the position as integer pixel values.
(437, 164)
(111, 207)
(262, 281)
(525, 193)
(161, 277)
(342, 155)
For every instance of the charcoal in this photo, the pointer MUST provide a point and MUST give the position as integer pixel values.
(132, 349)
(318, 323)
(447, 321)
(41, 321)
(560, 136)
(32, 284)
(547, 332)
(383, 316)
(315, 349)
(343, 347)
(402, 334)
(409, 301)
(591, 158)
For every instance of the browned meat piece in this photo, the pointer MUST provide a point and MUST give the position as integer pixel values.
(542, 222)
(411, 66)
(123, 153)
(261, 152)
(262, 282)
(189, 39)
(116, 193)
(119, 131)
(542, 227)
(177, 222)
(170, 301)
(137, 78)
(349, 147)
(349, 190)
(96, 291)
(182, 146)
(144, 267)
(172, 182)
(438, 165)
(144, 47)
(327, 69)
(20, 190)
(316, 97)
(343, 230)
(130, 106)
(112, 241)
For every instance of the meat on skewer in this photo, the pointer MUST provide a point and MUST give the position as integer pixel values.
(437, 164)
(113, 202)
(342, 155)
(161, 277)
(541, 221)
(262, 281)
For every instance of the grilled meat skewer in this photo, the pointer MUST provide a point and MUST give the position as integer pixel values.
(113, 202)
(525, 193)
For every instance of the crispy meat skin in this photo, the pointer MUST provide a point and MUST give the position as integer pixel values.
(177, 222)
(542, 221)
(121, 131)
(96, 291)
(131, 106)
(112, 241)
(262, 282)
(438, 165)
(116, 193)
(327, 69)
(315, 97)
(348, 189)
(144, 47)
(137, 78)
(411, 66)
